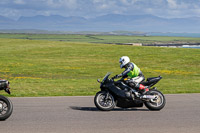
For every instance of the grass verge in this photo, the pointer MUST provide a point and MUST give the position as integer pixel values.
(53, 68)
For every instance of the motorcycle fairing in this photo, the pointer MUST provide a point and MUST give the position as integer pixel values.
(123, 103)
(121, 95)
(114, 90)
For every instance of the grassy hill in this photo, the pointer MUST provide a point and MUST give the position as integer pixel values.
(103, 38)
(55, 68)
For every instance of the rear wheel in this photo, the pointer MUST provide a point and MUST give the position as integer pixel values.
(104, 101)
(158, 102)
(6, 108)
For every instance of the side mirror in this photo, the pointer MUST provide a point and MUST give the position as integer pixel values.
(98, 80)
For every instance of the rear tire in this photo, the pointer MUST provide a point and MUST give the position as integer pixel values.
(103, 103)
(6, 108)
(156, 104)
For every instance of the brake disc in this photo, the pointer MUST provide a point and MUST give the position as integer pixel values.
(156, 99)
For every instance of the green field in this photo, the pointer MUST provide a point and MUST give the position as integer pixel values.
(103, 38)
(56, 68)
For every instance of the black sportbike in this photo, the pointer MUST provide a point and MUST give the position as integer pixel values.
(6, 106)
(118, 93)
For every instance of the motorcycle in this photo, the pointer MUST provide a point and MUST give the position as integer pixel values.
(118, 93)
(6, 106)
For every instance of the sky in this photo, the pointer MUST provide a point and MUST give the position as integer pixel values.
(91, 8)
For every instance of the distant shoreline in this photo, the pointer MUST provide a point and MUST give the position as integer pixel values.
(175, 45)
(183, 45)
(134, 40)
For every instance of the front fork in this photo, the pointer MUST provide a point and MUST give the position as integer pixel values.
(107, 94)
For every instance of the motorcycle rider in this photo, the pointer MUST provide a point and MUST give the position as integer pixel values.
(133, 72)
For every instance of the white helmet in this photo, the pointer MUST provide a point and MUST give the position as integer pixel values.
(123, 61)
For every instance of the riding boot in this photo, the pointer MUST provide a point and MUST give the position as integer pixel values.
(143, 89)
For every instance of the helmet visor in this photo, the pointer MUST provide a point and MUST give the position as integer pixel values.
(121, 61)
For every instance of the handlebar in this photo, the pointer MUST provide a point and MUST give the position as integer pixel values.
(118, 81)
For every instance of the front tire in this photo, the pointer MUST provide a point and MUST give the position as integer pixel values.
(6, 108)
(156, 104)
(104, 101)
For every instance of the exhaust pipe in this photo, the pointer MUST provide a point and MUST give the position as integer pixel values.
(1, 107)
(148, 97)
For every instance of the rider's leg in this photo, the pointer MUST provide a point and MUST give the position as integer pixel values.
(139, 86)
(138, 79)
(142, 88)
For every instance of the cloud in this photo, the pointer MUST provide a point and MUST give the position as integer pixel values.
(70, 4)
(2, 2)
(21, 2)
(128, 2)
(172, 4)
(92, 8)
(110, 5)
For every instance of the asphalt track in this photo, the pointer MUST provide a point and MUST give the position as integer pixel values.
(79, 115)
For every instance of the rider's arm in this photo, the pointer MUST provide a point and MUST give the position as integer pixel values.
(128, 69)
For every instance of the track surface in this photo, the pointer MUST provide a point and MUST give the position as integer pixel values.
(79, 115)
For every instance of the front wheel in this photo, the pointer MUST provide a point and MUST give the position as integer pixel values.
(157, 103)
(6, 108)
(104, 101)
